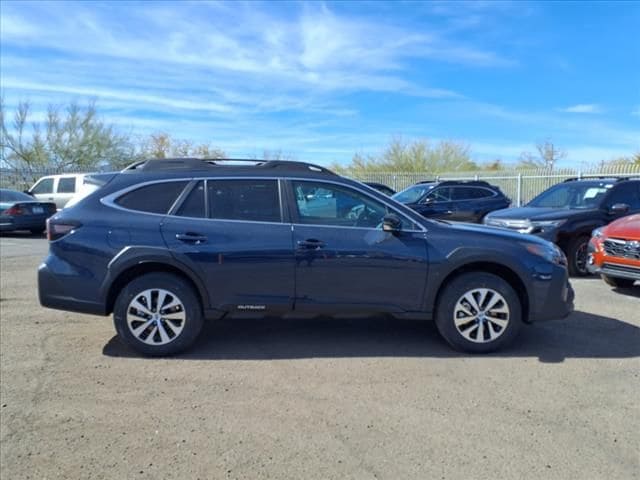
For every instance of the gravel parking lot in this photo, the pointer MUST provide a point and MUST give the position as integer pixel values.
(320, 398)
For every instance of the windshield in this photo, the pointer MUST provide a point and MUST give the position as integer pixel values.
(413, 193)
(584, 195)
(11, 196)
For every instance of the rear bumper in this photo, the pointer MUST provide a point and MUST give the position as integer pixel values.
(10, 224)
(56, 289)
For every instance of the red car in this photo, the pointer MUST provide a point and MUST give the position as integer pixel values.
(614, 252)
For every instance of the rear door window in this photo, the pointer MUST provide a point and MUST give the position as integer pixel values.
(440, 194)
(67, 185)
(251, 200)
(154, 198)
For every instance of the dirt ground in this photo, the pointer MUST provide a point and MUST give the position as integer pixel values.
(324, 398)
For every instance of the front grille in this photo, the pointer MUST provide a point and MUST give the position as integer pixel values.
(622, 248)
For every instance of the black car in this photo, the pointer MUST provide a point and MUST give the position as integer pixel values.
(168, 243)
(19, 211)
(568, 212)
(381, 187)
(461, 201)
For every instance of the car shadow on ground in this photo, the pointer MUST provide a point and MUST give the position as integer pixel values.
(22, 234)
(582, 335)
(631, 292)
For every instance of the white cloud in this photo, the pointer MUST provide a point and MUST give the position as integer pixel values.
(583, 108)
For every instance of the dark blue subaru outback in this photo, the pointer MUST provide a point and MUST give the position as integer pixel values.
(166, 244)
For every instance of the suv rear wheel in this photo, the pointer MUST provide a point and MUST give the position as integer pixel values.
(158, 314)
(478, 312)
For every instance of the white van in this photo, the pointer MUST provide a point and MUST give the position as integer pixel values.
(57, 188)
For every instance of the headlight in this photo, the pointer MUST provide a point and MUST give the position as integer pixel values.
(547, 223)
(549, 251)
(597, 233)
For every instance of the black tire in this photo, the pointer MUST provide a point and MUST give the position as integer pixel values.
(447, 311)
(37, 231)
(618, 282)
(577, 256)
(189, 309)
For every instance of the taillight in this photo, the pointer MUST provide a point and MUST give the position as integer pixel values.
(58, 229)
(13, 211)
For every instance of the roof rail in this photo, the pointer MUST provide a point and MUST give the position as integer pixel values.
(595, 177)
(165, 164)
(482, 183)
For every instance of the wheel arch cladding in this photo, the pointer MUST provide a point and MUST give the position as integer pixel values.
(139, 269)
(502, 271)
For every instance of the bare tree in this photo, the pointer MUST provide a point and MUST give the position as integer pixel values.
(547, 158)
(163, 145)
(550, 153)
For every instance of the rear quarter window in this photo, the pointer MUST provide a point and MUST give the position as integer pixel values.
(154, 198)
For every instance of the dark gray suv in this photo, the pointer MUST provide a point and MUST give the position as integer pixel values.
(166, 244)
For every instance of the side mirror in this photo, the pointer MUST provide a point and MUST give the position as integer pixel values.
(27, 192)
(429, 201)
(391, 223)
(618, 209)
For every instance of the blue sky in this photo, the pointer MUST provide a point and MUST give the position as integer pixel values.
(321, 81)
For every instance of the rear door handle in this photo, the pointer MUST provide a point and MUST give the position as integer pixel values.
(311, 244)
(190, 237)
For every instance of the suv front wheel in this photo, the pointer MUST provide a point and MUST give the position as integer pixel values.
(158, 314)
(478, 312)
(577, 256)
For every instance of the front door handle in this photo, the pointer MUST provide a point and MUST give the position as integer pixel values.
(190, 237)
(311, 244)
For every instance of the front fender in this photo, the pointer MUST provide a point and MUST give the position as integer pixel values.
(441, 267)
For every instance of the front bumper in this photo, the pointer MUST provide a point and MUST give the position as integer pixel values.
(599, 263)
(552, 294)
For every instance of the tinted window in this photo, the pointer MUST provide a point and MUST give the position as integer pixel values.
(43, 186)
(67, 185)
(254, 200)
(479, 192)
(463, 193)
(413, 194)
(627, 192)
(155, 198)
(193, 205)
(442, 194)
(326, 204)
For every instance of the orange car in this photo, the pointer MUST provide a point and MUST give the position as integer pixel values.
(614, 252)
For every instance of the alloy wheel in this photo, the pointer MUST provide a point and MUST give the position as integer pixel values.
(156, 316)
(481, 315)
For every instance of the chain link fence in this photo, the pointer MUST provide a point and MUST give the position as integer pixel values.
(520, 186)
